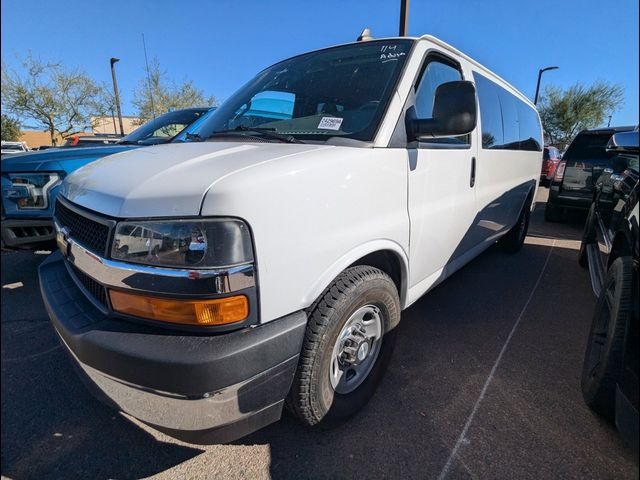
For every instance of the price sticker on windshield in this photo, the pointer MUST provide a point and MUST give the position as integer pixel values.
(330, 123)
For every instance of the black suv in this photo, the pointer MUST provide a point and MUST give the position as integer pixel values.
(572, 185)
(610, 250)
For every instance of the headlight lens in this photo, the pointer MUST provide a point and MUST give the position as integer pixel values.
(31, 190)
(183, 243)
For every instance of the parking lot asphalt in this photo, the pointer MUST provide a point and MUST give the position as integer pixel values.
(484, 383)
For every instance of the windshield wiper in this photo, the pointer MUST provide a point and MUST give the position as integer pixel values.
(128, 142)
(269, 133)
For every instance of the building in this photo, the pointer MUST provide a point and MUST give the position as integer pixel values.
(36, 138)
(101, 126)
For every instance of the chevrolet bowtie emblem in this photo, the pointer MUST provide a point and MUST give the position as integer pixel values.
(62, 239)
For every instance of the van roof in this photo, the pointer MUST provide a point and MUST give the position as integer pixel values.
(457, 52)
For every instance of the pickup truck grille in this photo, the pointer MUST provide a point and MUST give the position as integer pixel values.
(89, 233)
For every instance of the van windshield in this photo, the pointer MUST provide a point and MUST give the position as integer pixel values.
(341, 91)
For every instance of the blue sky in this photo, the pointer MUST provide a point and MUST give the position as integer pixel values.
(222, 44)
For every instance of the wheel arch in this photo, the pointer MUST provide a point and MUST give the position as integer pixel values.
(385, 255)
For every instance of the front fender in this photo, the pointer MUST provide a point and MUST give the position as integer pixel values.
(355, 254)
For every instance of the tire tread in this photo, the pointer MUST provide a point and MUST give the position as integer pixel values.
(299, 401)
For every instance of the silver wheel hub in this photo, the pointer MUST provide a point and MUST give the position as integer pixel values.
(363, 351)
(356, 349)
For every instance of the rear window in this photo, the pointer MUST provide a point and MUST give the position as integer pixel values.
(588, 146)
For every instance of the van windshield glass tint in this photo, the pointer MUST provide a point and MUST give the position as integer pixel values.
(341, 91)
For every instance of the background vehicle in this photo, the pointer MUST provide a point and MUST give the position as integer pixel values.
(90, 141)
(30, 181)
(550, 160)
(610, 250)
(9, 148)
(573, 183)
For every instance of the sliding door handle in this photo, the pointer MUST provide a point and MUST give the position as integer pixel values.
(472, 180)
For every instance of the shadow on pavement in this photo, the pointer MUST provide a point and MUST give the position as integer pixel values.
(51, 426)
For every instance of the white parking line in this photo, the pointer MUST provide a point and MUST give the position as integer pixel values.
(461, 439)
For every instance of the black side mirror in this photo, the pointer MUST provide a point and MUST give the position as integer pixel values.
(454, 113)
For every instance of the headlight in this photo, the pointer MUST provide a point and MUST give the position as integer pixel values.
(183, 243)
(31, 190)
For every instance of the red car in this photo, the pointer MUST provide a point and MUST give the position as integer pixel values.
(550, 160)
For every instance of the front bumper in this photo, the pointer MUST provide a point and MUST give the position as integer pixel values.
(28, 233)
(201, 388)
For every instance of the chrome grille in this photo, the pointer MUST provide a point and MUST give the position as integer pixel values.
(89, 233)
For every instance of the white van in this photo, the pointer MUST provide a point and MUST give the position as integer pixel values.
(324, 197)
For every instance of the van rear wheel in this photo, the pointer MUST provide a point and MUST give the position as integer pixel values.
(513, 240)
(347, 346)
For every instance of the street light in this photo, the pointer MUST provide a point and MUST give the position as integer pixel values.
(115, 92)
(540, 72)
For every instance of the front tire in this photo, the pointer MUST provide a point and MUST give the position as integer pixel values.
(351, 324)
(603, 361)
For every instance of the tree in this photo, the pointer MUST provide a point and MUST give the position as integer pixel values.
(60, 100)
(10, 128)
(156, 94)
(564, 113)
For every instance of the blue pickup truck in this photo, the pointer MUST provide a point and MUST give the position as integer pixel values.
(30, 181)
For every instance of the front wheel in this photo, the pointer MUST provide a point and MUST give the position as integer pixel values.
(347, 346)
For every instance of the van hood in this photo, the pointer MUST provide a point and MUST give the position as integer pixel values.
(168, 181)
(57, 159)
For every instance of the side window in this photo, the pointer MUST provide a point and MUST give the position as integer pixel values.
(435, 74)
(507, 122)
(510, 127)
(530, 130)
(490, 112)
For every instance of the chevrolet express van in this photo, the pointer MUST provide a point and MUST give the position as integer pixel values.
(292, 228)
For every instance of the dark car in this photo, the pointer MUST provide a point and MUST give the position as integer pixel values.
(610, 250)
(30, 181)
(550, 159)
(573, 183)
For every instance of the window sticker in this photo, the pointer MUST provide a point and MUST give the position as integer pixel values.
(330, 123)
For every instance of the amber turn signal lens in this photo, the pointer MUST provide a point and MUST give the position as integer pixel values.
(218, 311)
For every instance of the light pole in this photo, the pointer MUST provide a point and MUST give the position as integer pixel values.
(404, 17)
(540, 72)
(115, 92)
(609, 122)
